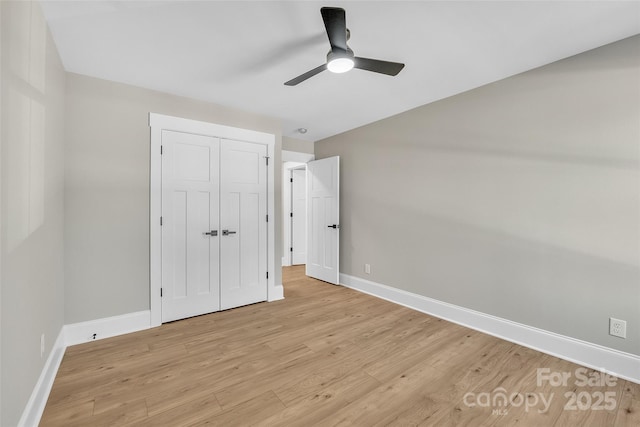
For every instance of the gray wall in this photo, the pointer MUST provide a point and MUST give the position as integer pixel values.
(31, 196)
(520, 199)
(107, 190)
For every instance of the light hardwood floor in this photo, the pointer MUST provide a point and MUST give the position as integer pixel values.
(325, 355)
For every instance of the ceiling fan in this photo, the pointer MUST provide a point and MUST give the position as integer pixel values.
(341, 58)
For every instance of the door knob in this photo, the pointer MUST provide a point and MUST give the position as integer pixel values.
(227, 232)
(211, 233)
(333, 226)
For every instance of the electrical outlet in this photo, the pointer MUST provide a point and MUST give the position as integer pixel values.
(617, 328)
(367, 268)
(41, 346)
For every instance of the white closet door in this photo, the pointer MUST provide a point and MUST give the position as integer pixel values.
(243, 212)
(323, 213)
(299, 218)
(190, 195)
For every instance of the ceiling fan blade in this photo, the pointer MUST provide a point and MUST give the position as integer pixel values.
(306, 75)
(377, 66)
(336, 26)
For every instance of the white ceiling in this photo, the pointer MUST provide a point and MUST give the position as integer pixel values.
(239, 54)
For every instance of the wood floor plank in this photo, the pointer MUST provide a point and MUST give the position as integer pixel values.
(381, 403)
(629, 405)
(184, 412)
(325, 355)
(249, 412)
(313, 408)
(323, 377)
(130, 413)
(67, 414)
(295, 370)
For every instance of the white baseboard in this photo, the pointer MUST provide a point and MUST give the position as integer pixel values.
(35, 406)
(77, 333)
(615, 362)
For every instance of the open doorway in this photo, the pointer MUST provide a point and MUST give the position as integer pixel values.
(298, 216)
(294, 207)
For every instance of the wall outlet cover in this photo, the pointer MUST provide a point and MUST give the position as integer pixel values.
(617, 327)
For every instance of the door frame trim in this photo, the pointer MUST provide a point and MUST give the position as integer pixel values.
(160, 122)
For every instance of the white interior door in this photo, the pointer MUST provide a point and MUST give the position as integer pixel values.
(190, 258)
(243, 223)
(323, 213)
(299, 216)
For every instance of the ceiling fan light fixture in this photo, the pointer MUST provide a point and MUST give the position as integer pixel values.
(340, 65)
(340, 62)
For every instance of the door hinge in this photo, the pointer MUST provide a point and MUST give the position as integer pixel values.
(291, 179)
(267, 218)
(267, 274)
(267, 159)
(160, 292)
(291, 249)
(161, 150)
(160, 221)
(291, 214)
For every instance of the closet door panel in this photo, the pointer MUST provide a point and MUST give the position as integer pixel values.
(243, 221)
(190, 209)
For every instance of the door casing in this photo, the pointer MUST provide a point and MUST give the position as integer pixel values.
(160, 122)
